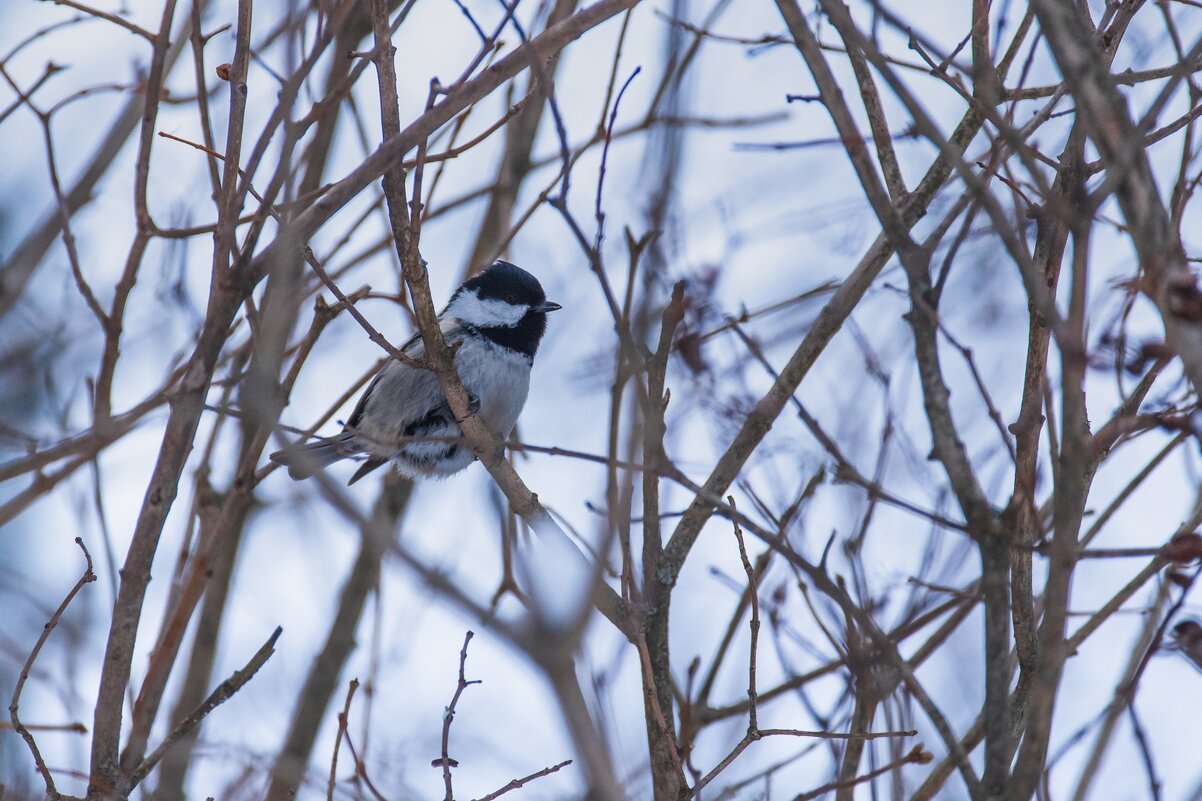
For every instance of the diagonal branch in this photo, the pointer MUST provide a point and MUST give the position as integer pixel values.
(219, 696)
(824, 328)
(455, 100)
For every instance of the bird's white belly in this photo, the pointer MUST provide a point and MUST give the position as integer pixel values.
(500, 379)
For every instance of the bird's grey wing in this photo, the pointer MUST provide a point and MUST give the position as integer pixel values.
(357, 415)
(440, 414)
(402, 401)
(414, 348)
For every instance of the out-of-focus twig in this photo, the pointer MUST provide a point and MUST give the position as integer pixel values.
(343, 717)
(15, 703)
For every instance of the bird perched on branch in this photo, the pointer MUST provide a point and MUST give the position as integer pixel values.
(496, 319)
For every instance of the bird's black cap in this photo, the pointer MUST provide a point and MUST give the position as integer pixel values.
(508, 282)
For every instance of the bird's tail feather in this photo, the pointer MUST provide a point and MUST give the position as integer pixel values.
(303, 461)
(365, 468)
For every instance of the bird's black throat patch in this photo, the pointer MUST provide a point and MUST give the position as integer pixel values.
(523, 337)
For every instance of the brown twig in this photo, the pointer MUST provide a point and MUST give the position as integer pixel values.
(516, 783)
(372, 334)
(916, 756)
(107, 17)
(753, 593)
(343, 717)
(14, 704)
(822, 735)
(445, 761)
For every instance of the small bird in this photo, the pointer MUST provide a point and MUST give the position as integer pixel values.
(497, 318)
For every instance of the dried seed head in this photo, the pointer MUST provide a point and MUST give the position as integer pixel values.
(689, 347)
(920, 756)
(1187, 631)
(1184, 549)
(1179, 579)
(1183, 297)
(1187, 640)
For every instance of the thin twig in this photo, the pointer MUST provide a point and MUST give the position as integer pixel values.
(516, 783)
(445, 760)
(219, 696)
(753, 594)
(342, 721)
(87, 577)
(107, 17)
(916, 756)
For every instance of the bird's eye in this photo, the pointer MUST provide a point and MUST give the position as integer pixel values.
(511, 300)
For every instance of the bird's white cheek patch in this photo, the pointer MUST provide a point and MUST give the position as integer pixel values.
(485, 313)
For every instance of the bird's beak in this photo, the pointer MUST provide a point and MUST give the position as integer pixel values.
(546, 307)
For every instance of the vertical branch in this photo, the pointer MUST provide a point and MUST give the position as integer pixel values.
(227, 209)
(882, 138)
(449, 716)
(1072, 487)
(390, 122)
(863, 710)
(343, 719)
(164, 482)
(216, 533)
(145, 225)
(1022, 517)
(985, 82)
(753, 593)
(1103, 114)
(175, 765)
(665, 760)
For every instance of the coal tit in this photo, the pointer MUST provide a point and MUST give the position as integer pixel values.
(498, 318)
